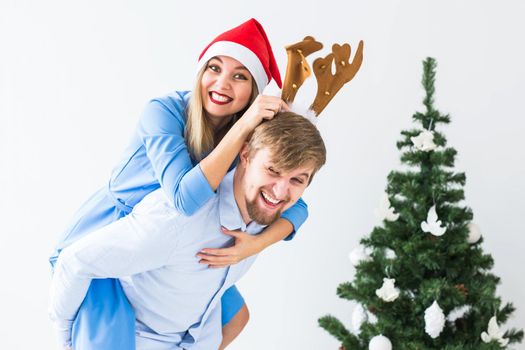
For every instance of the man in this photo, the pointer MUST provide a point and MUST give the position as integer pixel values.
(153, 251)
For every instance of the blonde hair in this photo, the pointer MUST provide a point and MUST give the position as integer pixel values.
(200, 134)
(292, 140)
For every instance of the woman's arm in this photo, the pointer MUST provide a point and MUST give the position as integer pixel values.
(296, 215)
(161, 130)
(217, 163)
(247, 245)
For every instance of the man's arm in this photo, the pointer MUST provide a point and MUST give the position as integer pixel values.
(131, 245)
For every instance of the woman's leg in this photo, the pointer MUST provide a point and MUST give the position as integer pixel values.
(232, 329)
(105, 320)
(235, 315)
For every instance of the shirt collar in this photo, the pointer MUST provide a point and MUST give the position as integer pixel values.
(230, 215)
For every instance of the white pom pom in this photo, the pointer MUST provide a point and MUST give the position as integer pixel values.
(301, 107)
(359, 254)
(434, 320)
(380, 342)
(359, 316)
(474, 234)
(388, 292)
(303, 110)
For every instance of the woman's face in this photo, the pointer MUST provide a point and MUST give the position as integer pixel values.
(226, 87)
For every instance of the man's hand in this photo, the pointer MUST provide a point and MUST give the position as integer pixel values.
(245, 246)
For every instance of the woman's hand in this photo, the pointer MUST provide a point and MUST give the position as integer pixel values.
(245, 246)
(263, 107)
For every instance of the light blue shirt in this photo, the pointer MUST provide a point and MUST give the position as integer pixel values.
(153, 252)
(156, 157)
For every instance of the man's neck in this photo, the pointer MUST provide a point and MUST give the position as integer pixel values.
(239, 197)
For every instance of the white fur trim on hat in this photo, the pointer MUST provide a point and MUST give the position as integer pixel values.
(241, 54)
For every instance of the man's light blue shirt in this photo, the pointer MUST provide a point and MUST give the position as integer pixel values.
(153, 252)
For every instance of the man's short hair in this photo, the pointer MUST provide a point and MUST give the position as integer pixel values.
(293, 141)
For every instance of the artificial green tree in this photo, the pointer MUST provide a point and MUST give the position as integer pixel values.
(430, 252)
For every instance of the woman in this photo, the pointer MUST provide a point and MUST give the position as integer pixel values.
(185, 143)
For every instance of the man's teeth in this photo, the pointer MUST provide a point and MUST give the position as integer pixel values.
(220, 98)
(270, 199)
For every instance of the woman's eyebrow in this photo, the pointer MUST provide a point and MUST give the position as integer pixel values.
(239, 67)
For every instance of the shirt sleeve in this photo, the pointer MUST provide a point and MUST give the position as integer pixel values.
(161, 130)
(131, 245)
(297, 215)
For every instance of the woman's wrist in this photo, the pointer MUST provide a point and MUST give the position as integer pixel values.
(261, 242)
(244, 127)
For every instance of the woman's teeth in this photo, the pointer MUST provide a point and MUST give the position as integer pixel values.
(220, 98)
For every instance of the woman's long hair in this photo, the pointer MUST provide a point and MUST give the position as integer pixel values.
(200, 135)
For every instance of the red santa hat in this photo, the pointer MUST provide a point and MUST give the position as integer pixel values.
(249, 45)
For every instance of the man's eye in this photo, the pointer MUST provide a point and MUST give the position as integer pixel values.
(297, 181)
(271, 170)
(214, 68)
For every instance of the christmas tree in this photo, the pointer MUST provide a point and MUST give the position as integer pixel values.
(422, 280)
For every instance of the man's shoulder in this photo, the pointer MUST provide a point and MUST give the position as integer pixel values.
(158, 203)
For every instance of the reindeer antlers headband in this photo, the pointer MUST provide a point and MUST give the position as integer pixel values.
(328, 84)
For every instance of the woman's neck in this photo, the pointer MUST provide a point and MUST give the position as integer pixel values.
(218, 123)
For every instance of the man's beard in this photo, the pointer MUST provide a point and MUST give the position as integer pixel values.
(259, 215)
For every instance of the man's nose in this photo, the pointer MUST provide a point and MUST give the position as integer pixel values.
(281, 189)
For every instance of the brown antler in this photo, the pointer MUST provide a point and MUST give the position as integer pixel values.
(297, 69)
(329, 84)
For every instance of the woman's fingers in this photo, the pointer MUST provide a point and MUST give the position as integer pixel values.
(211, 260)
(218, 266)
(273, 103)
(263, 108)
(217, 251)
(285, 106)
(220, 256)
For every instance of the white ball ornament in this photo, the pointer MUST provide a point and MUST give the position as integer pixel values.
(474, 233)
(390, 254)
(380, 342)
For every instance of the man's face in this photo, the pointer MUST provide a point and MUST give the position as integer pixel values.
(268, 191)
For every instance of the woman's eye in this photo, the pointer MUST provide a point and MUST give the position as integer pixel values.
(214, 68)
(240, 77)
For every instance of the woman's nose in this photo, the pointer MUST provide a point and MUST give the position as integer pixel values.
(223, 81)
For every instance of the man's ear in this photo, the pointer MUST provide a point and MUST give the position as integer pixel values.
(244, 155)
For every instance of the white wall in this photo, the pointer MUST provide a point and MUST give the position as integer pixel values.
(74, 77)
